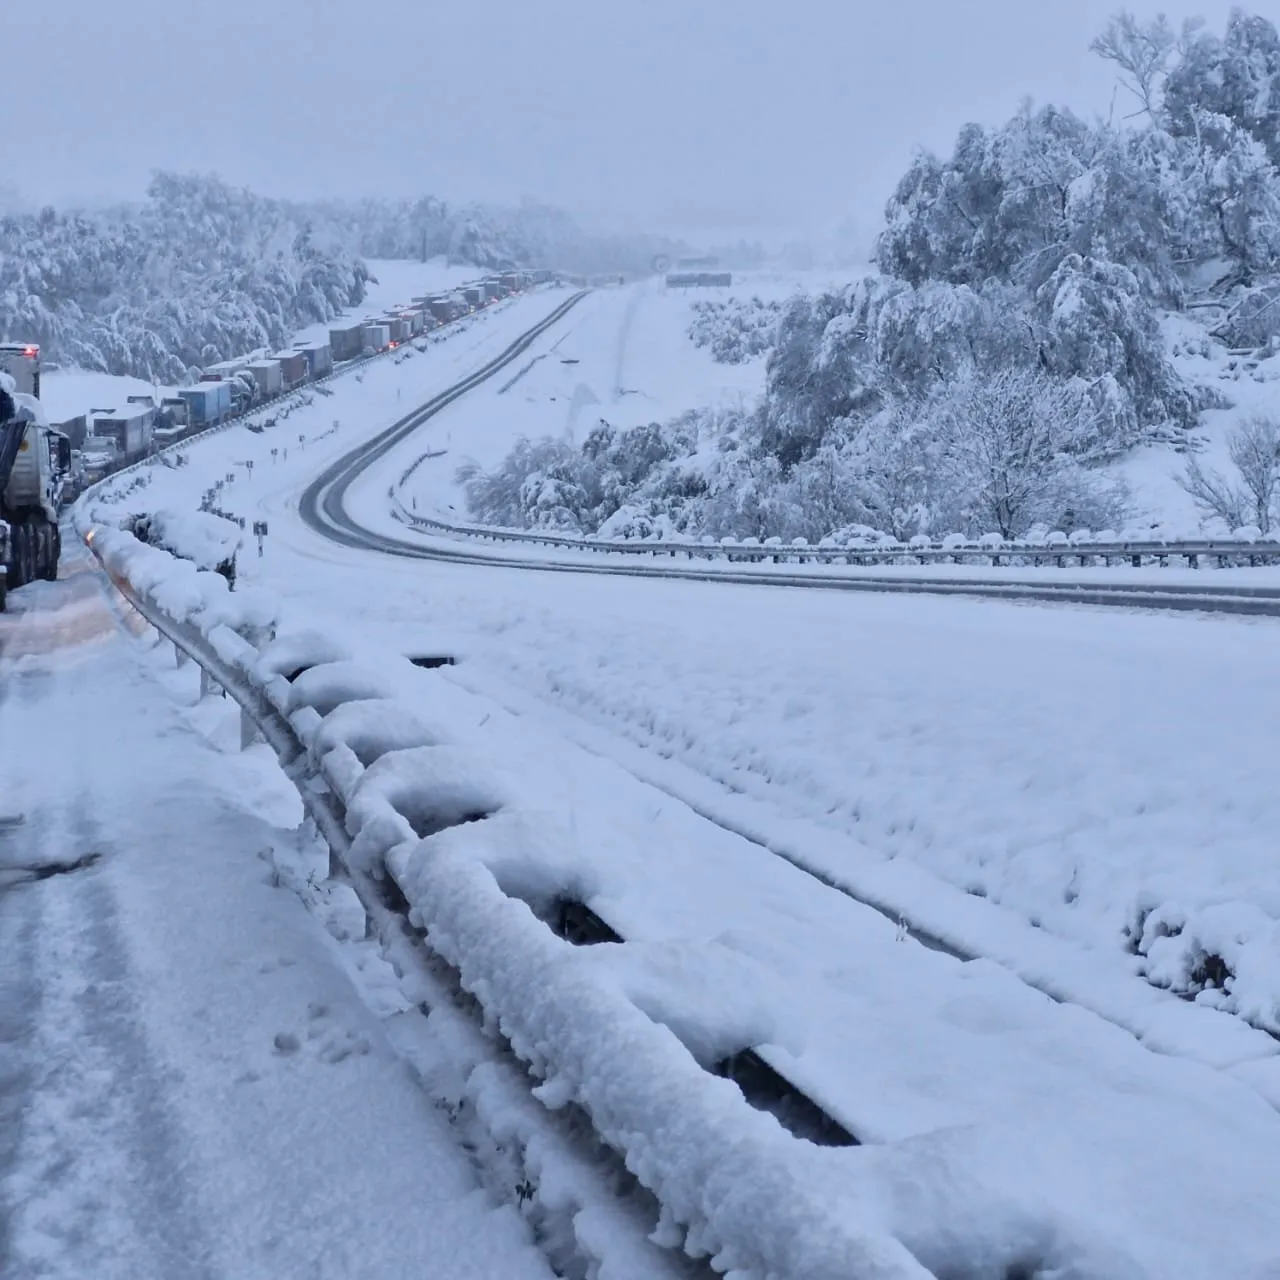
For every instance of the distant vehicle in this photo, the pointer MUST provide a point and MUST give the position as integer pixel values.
(700, 280)
(208, 403)
(21, 361)
(269, 376)
(376, 336)
(294, 369)
(130, 428)
(319, 356)
(346, 340)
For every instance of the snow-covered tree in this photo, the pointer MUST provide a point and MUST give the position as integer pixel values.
(198, 273)
(1249, 496)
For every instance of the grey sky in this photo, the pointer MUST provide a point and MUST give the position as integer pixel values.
(683, 115)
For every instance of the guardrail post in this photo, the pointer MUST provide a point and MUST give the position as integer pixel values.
(207, 685)
(179, 656)
(1137, 560)
(1193, 561)
(248, 730)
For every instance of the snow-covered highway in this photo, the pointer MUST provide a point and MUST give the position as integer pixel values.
(1021, 784)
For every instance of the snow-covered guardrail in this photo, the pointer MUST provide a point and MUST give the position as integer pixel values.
(446, 856)
(1079, 549)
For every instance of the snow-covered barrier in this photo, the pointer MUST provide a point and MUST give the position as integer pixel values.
(417, 815)
(1081, 548)
(179, 588)
(208, 541)
(387, 788)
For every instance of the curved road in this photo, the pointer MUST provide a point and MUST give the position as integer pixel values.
(322, 507)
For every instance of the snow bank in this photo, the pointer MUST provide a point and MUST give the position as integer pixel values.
(177, 587)
(206, 540)
(752, 1198)
(370, 728)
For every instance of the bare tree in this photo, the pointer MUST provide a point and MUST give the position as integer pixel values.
(1007, 455)
(1214, 493)
(1141, 51)
(1249, 497)
(1254, 448)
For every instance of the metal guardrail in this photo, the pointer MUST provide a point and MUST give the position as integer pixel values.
(1083, 554)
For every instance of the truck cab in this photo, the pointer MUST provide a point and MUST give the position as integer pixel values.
(35, 468)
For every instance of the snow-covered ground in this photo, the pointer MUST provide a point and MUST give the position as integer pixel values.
(1099, 776)
(67, 393)
(194, 1083)
(1076, 768)
(624, 356)
(1251, 386)
(627, 358)
(997, 1123)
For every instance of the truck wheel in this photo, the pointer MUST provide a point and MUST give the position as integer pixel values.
(20, 557)
(31, 571)
(49, 552)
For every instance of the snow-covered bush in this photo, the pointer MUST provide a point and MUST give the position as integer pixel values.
(208, 541)
(1249, 497)
(735, 331)
(1011, 445)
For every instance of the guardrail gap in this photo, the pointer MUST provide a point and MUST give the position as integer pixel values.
(575, 922)
(766, 1090)
(761, 1085)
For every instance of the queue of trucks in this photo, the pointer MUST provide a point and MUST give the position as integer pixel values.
(42, 465)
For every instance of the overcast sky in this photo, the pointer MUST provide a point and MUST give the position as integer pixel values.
(675, 115)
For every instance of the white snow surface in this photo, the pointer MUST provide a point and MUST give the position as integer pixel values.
(623, 356)
(1079, 769)
(1251, 385)
(1002, 1127)
(193, 1085)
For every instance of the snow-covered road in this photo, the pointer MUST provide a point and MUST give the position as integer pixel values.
(1057, 771)
(1027, 783)
(190, 1082)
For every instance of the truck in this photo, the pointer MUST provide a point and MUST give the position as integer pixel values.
(21, 361)
(346, 340)
(129, 427)
(208, 403)
(376, 336)
(319, 358)
(35, 468)
(294, 369)
(269, 376)
(398, 327)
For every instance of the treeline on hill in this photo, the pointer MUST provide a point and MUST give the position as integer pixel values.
(198, 273)
(531, 234)
(201, 271)
(1010, 343)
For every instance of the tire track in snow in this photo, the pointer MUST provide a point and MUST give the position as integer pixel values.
(98, 1184)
